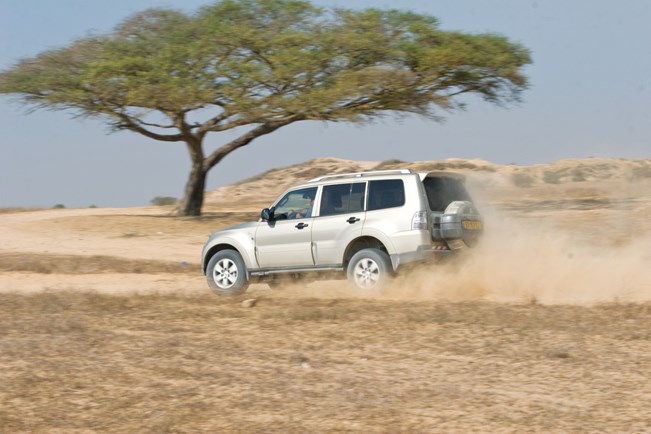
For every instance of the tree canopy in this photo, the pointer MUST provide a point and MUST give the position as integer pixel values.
(264, 64)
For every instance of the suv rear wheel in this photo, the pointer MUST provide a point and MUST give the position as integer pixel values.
(226, 273)
(369, 269)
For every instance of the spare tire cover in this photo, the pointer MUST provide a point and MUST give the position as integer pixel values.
(460, 211)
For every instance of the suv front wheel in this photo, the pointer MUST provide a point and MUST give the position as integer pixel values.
(226, 273)
(369, 269)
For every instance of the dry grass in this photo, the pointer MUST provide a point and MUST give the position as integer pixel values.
(136, 226)
(74, 264)
(87, 362)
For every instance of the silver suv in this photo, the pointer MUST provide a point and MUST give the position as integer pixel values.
(362, 226)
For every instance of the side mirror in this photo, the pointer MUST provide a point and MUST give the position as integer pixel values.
(266, 214)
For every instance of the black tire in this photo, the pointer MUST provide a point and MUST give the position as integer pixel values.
(226, 273)
(369, 269)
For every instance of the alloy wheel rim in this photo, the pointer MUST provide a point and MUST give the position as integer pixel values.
(367, 273)
(225, 273)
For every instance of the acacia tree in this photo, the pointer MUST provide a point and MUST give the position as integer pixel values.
(258, 65)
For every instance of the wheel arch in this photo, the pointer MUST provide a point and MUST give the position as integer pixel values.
(218, 248)
(360, 243)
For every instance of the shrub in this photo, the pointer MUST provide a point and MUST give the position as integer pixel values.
(387, 164)
(163, 201)
(641, 172)
(59, 206)
(551, 177)
(521, 179)
(578, 175)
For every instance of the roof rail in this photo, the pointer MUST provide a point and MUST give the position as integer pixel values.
(362, 174)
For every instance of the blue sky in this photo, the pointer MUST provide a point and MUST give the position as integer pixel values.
(590, 95)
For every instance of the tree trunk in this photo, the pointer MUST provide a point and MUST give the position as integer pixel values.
(193, 199)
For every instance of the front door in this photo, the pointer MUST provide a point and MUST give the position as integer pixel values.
(286, 240)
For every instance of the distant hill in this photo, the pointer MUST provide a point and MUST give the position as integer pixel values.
(258, 191)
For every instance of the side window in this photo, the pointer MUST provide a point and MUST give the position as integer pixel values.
(342, 198)
(295, 204)
(388, 193)
(357, 197)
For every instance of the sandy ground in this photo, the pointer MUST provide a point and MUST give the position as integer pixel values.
(108, 325)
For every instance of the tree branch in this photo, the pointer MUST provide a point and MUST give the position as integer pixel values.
(212, 123)
(130, 124)
(265, 128)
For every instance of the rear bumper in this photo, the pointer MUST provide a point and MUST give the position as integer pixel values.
(423, 254)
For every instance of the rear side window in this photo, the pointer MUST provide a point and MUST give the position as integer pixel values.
(442, 191)
(342, 198)
(387, 193)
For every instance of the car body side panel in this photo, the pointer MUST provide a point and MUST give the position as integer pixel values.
(389, 221)
(241, 239)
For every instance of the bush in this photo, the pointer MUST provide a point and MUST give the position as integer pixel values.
(389, 164)
(551, 177)
(578, 175)
(641, 172)
(163, 200)
(59, 206)
(521, 179)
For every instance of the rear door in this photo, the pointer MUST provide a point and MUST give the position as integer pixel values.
(453, 214)
(340, 220)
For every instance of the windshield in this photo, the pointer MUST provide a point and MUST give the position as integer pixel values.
(441, 191)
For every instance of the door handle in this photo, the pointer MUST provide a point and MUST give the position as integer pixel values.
(301, 225)
(353, 220)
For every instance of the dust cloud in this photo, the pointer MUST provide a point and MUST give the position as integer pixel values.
(534, 261)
